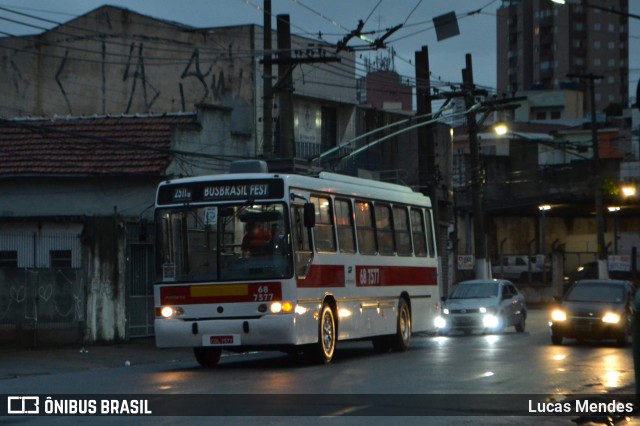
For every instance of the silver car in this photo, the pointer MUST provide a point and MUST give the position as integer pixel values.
(485, 305)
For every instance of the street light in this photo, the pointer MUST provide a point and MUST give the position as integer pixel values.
(628, 191)
(543, 233)
(614, 210)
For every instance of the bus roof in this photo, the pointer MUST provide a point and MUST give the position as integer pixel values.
(324, 182)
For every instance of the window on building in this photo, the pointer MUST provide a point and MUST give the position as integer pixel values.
(60, 258)
(8, 259)
(556, 115)
(541, 115)
(596, 26)
(596, 44)
(597, 62)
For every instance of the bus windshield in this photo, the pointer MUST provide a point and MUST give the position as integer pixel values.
(224, 243)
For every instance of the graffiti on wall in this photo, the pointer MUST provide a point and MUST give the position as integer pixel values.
(41, 296)
(148, 85)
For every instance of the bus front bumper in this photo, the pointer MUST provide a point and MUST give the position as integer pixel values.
(269, 330)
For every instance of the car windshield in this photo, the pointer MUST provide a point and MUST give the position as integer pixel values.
(596, 292)
(475, 290)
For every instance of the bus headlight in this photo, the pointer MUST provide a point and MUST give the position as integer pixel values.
(439, 322)
(611, 318)
(281, 307)
(169, 311)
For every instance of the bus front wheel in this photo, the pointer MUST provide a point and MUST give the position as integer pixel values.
(207, 357)
(326, 334)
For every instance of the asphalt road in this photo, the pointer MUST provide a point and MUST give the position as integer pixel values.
(472, 377)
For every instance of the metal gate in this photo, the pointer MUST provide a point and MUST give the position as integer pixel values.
(140, 305)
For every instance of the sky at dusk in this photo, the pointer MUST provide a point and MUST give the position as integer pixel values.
(333, 19)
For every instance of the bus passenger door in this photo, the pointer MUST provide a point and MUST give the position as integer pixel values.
(301, 241)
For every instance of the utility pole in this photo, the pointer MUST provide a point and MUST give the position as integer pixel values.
(426, 150)
(603, 272)
(428, 177)
(267, 91)
(285, 88)
(482, 268)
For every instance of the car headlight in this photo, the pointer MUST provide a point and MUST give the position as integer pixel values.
(490, 321)
(439, 322)
(445, 311)
(611, 318)
(483, 310)
(558, 315)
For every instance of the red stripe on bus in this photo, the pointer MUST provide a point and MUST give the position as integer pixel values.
(379, 276)
(321, 276)
(220, 293)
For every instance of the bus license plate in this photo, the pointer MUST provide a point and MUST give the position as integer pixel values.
(221, 340)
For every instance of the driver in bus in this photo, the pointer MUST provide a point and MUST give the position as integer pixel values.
(256, 241)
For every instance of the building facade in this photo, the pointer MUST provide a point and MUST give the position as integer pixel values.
(539, 42)
(116, 61)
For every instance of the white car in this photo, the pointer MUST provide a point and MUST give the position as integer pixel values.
(487, 305)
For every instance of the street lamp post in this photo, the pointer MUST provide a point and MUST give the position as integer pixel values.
(543, 235)
(614, 211)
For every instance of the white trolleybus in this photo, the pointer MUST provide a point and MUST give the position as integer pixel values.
(261, 261)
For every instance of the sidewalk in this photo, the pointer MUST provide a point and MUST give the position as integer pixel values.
(20, 362)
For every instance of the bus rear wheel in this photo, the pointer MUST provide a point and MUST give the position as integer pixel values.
(207, 357)
(326, 334)
(402, 339)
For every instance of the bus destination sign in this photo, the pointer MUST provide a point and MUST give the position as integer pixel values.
(224, 190)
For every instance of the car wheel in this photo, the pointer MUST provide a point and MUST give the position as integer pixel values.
(520, 325)
(555, 339)
(207, 357)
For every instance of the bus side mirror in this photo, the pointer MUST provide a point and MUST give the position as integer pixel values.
(309, 215)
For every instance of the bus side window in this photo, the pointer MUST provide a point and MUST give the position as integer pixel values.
(430, 236)
(301, 243)
(344, 225)
(323, 233)
(364, 227)
(384, 231)
(401, 227)
(417, 230)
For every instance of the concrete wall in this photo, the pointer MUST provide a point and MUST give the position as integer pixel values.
(114, 61)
